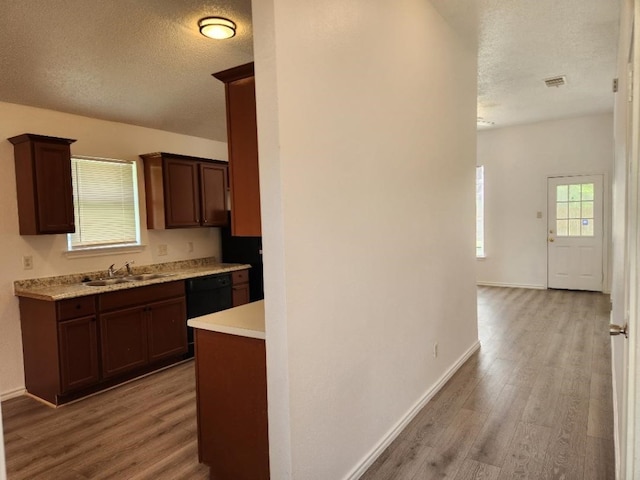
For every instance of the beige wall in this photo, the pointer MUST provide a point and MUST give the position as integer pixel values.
(366, 119)
(94, 138)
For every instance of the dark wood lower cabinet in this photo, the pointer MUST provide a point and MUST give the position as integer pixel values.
(231, 380)
(82, 345)
(78, 347)
(240, 293)
(167, 331)
(123, 340)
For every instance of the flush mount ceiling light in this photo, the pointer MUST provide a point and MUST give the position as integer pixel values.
(217, 27)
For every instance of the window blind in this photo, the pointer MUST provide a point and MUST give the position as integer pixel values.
(105, 203)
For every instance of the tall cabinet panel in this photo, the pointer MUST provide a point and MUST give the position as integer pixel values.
(43, 183)
(242, 139)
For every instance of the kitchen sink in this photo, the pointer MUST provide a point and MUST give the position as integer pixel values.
(146, 276)
(103, 282)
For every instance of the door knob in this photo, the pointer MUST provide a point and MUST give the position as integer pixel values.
(618, 330)
(551, 239)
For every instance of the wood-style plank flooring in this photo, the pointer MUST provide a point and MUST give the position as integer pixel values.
(142, 430)
(534, 403)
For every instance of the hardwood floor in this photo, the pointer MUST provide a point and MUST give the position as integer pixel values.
(534, 403)
(143, 430)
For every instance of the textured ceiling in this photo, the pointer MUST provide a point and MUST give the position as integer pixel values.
(143, 62)
(522, 42)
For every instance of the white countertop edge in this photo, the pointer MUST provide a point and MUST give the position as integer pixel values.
(245, 321)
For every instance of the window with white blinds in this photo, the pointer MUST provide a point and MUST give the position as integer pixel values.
(105, 196)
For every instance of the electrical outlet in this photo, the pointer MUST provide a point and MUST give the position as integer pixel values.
(162, 250)
(435, 350)
(189, 247)
(27, 262)
(538, 214)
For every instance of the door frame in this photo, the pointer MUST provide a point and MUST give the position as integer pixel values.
(606, 224)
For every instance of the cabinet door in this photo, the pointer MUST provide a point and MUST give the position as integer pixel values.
(78, 346)
(167, 328)
(240, 294)
(123, 340)
(53, 188)
(213, 189)
(182, 195)
(243, 158)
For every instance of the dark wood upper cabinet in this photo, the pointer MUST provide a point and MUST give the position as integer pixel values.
(183, 191)
(214, 198)
(242, 139)
(43, 184)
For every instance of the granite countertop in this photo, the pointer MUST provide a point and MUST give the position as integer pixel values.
(245, 321)
(71, 286)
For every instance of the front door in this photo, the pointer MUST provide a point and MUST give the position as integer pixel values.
(574, 232)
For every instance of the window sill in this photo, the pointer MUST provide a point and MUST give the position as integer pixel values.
(103, 251)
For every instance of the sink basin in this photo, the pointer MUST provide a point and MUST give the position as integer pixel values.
(146, 276)
(104, 282)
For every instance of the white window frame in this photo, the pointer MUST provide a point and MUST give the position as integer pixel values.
(480, 236)
(111, 248)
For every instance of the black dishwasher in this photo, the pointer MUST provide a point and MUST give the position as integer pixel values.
(207, 295)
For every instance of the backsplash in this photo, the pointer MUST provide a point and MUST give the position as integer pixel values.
(136, 270)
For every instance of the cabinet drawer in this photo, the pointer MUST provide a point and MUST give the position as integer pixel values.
(76, 307)
(140, 295)
(239, 276)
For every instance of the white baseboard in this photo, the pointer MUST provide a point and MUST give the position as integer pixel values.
(512, 285)
(16, 392)
(391, 435)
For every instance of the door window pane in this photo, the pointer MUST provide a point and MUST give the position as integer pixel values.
(562, 193)
(587, 227)
(574, 210)
(587, 191)
(562, 210)
(562, 228)
(587, 209)
(574, 228)
(575, 192)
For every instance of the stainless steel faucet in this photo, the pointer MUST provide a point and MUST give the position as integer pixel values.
(111, 272)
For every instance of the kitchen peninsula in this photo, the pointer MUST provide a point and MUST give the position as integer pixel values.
(231, 382)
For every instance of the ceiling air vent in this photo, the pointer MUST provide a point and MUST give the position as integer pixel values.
(555, 81)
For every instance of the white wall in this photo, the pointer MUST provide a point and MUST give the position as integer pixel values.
(517, 162)
(367, 154)
(94, 138)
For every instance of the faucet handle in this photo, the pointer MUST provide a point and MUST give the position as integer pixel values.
(110, 271)
(128, 266)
